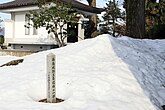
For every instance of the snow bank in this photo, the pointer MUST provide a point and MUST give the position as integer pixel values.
(103, 73)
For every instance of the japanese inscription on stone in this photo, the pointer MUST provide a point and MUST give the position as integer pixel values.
(51, 80)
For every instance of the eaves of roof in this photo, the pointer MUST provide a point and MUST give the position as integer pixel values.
(17, 3)
(25, 3)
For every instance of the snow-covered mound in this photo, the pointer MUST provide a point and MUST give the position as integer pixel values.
(103, 73)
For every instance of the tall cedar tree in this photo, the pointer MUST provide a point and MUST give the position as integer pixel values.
(53, 15)
(92, 19)
(112, 13)
(155, 19)
(135, 23)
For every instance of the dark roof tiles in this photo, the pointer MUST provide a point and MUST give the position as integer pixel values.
(17, 3)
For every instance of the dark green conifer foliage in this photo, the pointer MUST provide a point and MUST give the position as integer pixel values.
(155, 19)
(112, 13)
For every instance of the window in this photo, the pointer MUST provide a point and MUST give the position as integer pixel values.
(27, 25)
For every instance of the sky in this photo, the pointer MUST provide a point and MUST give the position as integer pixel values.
(101, 3)
(103, 73)
(2, 15)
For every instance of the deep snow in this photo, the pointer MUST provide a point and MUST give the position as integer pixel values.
(102, 73)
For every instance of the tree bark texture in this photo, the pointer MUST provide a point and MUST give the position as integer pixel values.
(92, 3)
(93, 19)
(93, 25)
(135, 25)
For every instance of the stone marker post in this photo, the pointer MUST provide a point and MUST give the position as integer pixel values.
(51, 78)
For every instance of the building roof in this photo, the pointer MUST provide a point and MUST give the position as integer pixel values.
(25, 3)
(17, 3)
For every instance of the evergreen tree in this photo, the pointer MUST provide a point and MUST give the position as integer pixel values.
(111, 16)
(135, 23)
(92, 19)
(155, 19)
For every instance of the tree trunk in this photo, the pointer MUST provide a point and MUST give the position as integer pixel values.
(59, 43)
(93, 25)
(92, 3)
(114, 18)
(92, 19)
(135, 10)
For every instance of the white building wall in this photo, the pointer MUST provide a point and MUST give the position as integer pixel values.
(20, 30)
(19, 25)
(9, 30)
(80, 31)
(15, 31)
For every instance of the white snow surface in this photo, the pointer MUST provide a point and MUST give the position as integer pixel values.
(103, 73)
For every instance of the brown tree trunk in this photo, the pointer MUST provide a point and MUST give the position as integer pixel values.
(92, 3)
(135, 10)
(93, 24)
(93, 19)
